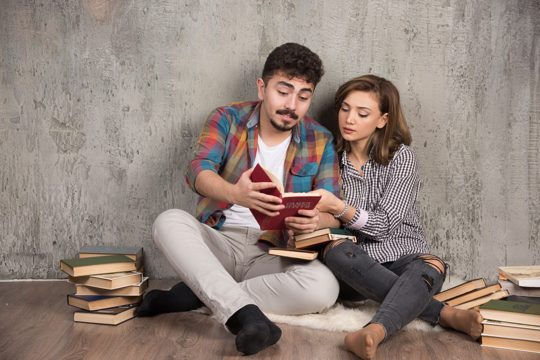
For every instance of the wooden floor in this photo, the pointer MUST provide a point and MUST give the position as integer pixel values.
(36, 323)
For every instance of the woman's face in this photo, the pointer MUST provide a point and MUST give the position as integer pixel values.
(359, 116)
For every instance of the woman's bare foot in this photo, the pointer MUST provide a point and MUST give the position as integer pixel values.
(466, 321)
(364, 342)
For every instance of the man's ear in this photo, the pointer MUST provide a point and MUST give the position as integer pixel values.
(260, 88)
(382, 121)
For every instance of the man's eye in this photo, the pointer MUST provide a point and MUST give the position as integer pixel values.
(282, 92)
(304, 98)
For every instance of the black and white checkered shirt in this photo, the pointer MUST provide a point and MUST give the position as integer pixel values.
(386, 195)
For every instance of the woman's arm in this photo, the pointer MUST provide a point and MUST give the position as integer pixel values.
(393, 206)
(398, 198)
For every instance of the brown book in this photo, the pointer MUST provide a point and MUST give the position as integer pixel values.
(294, 253)
(99, 302)
(292, 201)
(475, 294)
(113, 316)
(501, 294)
(321, 236)
(109, 281)
(133, 290)
(512, 344)
(525, 276)
(97, 265)
(511, 311)
(510, 330)
(460, 289)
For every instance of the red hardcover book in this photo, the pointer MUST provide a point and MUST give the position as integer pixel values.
(292, 201)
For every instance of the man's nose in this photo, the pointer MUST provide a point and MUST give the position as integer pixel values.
(291, 103)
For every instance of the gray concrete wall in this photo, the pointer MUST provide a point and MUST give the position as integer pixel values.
(101, 103)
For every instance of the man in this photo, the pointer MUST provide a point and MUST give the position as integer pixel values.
(221, 257)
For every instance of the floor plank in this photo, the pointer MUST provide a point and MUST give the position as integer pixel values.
(36, 323)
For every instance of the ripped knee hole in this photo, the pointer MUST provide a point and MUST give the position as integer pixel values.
(434, 262)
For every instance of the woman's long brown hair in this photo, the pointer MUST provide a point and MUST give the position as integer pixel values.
(386, 141)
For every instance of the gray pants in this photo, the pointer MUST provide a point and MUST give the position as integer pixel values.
(405, 287)
(227, 270)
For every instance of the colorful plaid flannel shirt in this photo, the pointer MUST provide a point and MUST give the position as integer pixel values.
(228, 143)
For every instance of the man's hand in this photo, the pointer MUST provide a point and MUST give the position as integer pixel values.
(247, 193)
(308, 222)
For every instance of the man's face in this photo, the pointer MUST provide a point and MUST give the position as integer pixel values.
(284, 101)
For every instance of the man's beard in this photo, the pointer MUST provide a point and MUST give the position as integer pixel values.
(280, 127)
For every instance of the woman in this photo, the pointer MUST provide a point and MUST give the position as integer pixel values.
(390, 263)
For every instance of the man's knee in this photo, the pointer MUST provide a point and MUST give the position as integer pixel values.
(167, 220)
(320, 288)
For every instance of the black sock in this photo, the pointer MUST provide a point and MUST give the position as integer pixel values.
(178, 298)
(254, 331)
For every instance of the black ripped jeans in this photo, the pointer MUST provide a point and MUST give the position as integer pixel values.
(405, 287)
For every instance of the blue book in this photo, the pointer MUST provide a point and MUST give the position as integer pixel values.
(99, 302)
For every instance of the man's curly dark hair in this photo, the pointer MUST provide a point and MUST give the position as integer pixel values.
(294, 60)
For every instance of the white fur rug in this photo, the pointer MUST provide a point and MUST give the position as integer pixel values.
(341, 318)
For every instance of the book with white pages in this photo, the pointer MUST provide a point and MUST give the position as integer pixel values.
(109, 281)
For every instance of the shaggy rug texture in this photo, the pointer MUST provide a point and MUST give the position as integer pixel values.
(351, 317)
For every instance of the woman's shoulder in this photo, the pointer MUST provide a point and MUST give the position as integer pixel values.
(404, 155)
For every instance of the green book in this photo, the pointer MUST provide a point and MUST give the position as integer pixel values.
(97, 265)
(511, 311)
(133, 252)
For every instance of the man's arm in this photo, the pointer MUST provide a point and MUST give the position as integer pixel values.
(245, 192)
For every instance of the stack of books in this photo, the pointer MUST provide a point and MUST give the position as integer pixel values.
(522, 281)
(307, 246)
(515, 322)
(471, 294)
(109, 283)
(511, 325)
(510, 308)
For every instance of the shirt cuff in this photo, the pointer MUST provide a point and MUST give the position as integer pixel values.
(359, 220)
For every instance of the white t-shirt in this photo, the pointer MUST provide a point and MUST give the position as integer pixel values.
(272, 158)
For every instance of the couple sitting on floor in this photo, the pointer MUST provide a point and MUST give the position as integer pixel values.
(368, 184)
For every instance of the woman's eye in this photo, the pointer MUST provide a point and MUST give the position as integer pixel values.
(363, 115)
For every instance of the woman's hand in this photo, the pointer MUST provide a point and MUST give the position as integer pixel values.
(329, 202)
